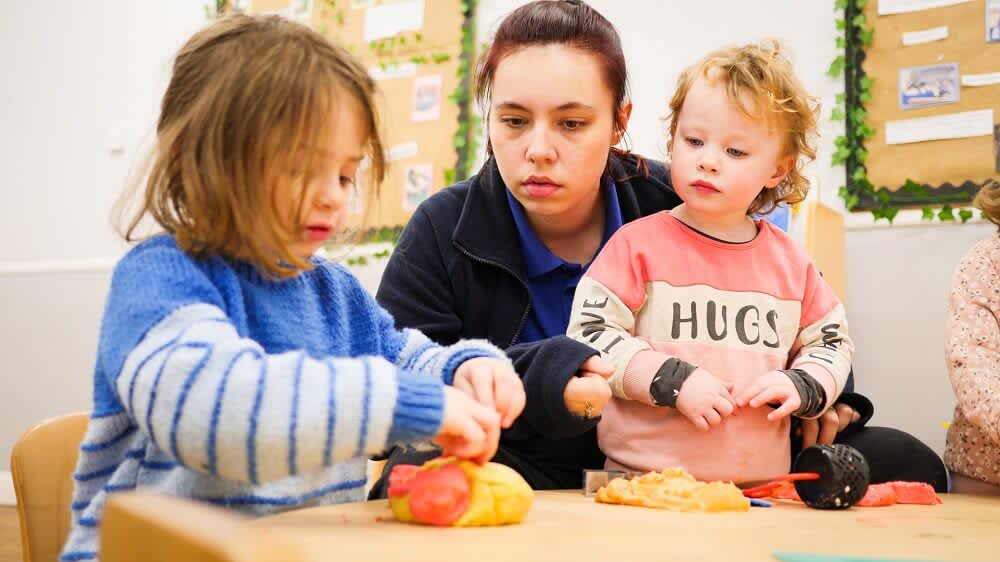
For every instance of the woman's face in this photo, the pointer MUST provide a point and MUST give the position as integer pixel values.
(551, 125)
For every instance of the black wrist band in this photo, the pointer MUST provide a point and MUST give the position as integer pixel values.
(667, 381)
(811, 393)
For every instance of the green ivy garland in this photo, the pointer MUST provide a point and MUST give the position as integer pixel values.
(854, 36)
(466, 139)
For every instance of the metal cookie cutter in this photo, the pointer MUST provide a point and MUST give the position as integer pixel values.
(593, 480)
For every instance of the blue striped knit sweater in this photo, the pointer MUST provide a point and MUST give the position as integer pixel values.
(215, 383)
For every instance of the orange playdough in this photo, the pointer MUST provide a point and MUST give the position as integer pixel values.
(674, 489)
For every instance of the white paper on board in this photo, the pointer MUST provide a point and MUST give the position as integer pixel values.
(889, 7)
(401, 151)
(987, 79)
(386, 20)
(925, 35)
(404, 70)
(951, 126)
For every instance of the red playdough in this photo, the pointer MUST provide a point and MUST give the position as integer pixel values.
(439, 497)
(878, 495)
(400, 479)
(888, 493)
(920, 493)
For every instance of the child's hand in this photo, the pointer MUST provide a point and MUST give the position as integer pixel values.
(705, 400)
(587, 393)
(492, 383)
(772, 387)
(469, 430)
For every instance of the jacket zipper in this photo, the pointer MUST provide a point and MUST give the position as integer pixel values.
(527, 309)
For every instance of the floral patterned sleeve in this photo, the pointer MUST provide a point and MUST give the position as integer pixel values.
(972, 337)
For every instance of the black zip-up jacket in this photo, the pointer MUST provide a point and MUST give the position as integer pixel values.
(457, 272)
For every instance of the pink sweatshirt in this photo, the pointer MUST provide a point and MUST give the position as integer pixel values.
(972, 352)
(658, 290)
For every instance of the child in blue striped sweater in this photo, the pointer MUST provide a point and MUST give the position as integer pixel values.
(235, 367)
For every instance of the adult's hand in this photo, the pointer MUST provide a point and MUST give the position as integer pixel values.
(824, 429)
(587, 393)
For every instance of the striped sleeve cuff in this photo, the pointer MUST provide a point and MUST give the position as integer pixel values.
(419, 409)
(465, 350)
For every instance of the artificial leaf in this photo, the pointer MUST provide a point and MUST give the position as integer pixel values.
(866, 36)
(836, 67)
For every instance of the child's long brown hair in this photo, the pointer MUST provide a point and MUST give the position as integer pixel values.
(246, 92)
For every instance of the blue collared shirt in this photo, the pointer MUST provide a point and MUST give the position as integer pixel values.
(551, 280)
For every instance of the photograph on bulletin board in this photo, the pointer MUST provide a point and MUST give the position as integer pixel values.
(993, 21)
(922, 86)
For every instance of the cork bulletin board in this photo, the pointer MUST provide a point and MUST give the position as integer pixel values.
(956, 165)
(413, 49)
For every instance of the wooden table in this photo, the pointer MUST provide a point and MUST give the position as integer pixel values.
(568, 526)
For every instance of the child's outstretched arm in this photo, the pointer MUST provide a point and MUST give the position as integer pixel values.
(603, 316)
(218, 403)
(475, 367)
(972, 339)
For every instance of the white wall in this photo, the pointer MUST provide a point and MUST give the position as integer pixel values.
(83, 79)
(897, 287)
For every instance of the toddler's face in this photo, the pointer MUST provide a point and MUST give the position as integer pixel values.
(721, 158)
(325, 197)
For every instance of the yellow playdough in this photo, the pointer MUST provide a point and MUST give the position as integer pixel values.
(498, 495)
(674, 489)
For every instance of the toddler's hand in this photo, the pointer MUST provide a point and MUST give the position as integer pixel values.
(469, 430)
(492, 383)
(705, 400)
(770, 388)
